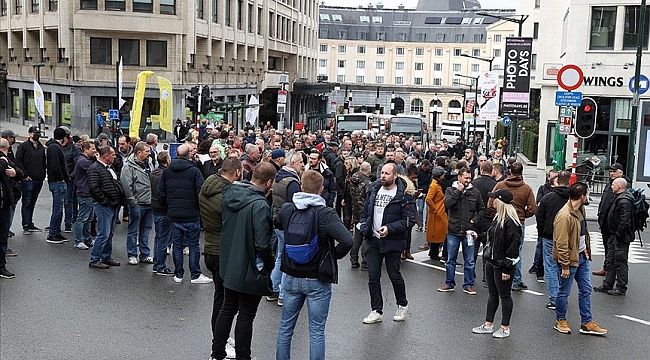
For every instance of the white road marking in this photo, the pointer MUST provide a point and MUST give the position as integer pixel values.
(533, 292)
(432, 266)
(644, 322)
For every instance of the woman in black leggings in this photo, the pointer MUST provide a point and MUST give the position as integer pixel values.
(503, 253)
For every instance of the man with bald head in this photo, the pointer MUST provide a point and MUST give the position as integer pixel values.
(178, 191)
(212, 167)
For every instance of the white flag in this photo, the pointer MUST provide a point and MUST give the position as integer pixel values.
(120, 77)
(252, 112)
(39, 100)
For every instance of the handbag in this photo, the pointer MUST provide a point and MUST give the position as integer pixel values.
(487, 248)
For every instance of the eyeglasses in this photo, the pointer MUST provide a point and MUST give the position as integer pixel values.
(214, 152)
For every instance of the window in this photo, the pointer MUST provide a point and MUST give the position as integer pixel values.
(364, 19)
(145, 6)
(101, 51)
(631, 31)
(259, 21)
(440, 37)
(438, 52)
(376, 19)
(323, 33)
(437, 67)
(419, 66)
(343, 34)
(337, 17)
(419, 51)
(533, 61)
(459, 38)
(19, 6)
(325, 17)
(399, 50)
(322, 62)
(363, 35)
(130, 51)
(476, 52)
(4, 8)
(399, 80)
(476, 68)
(437, 81)
(380, 65)
(35, 5)
(381, 50)
(360, 79)
(496, 67)
(240, 15)
(361, 64)
(455, 82)
(251, 18)
(536, 30)
(401, 36)
(156, 53)
(496, 52)
(340, 78)
(323, 47)
(116, 5)
(456, 67)
(497, 38)
(361, 49)
(228, 15)
(399, 65)
(458, 51)
(168, 7)
(380, 36)
(417, 106)
(85, 5)
(341, 64)
(379, 79)
(478, 38)
(342, 49)
(215, 11)
(537, 3)
(417, 81)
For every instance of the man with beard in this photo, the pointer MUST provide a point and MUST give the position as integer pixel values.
(30, 157)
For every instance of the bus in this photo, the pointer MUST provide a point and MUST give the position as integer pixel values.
(410, 125)
(347, 123)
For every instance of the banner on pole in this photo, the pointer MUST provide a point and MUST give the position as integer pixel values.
(138, 100)
(516, 77)
(489, 83)
(165, 104)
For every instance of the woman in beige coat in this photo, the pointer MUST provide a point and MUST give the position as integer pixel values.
(437, 214)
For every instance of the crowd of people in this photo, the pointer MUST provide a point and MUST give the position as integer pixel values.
(277, 209)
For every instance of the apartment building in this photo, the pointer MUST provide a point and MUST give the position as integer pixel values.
(237, 47)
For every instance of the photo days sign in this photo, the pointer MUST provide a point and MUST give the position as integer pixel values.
(516, 77)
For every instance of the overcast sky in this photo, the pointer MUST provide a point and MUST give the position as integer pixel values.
(486, 4)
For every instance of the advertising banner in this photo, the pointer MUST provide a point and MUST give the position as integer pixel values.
(489, 83)
(138, 100)
(516, 77)
(165, 104)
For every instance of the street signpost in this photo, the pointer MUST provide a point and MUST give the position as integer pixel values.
(568, 98)
(565, 120)
(644, 84)
(113, 114)
(506, 120)
(570, 77)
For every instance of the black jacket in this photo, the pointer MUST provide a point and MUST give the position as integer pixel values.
(340, 174)
(56, 167)
(424, 180)
(463, 207)
(104, 189)
(542, 191)
(178, 191)
(505, 244)
(9, 188)
(31, 159)
(484, 184)
(548, 207)
(620, 217)
(606, 201)
(70, 153)
(330, 156)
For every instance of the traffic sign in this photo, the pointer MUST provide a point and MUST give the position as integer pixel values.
(282, 96)
(568, 98)
(644, 84)
(570, 77)
(564, 129)
(566, 111)
(113, 114)
(506, 121)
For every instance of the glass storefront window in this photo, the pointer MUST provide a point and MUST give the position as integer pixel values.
(622, 115)
(65, 109)
(15, 102)
(631, 32)
(603, 115)
(603, 27)
(596, 145)
(29, 106)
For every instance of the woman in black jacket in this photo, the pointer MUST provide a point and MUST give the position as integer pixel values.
(502, 255)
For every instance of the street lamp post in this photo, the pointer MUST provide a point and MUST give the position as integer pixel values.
(487, 123)
(474, 82)
(434, 124)
(635, 99)
(38, 67)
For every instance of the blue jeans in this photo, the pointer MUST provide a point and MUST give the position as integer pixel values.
(70, 203)
(277, 276)
(550, 270)
(318, 295)
(181, 234)
(84, 218)
(517, 280)
(453, 244)
(140, 222)
(30, 190)
(582, 276)
(421, 205)
(103, 247)
(58, 190)
(162, 239)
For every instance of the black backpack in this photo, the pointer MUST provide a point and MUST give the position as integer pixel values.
(301, 235)
(640, 215)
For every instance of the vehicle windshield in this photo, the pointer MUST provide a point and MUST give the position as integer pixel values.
(405, 125)
(351, 123)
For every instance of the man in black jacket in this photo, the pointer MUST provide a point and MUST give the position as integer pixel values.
(70, 152)
(57, 179)
(30, 157)
(312, 281)
(162, 237)
(107, 193)
(548, 207)
(621, 230)
(484, 184)
(9, 173)
(11, 139)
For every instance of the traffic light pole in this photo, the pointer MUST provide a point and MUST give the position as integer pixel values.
(631, 149)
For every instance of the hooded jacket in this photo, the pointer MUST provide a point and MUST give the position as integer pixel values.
(31, 158)
(56, 167)
(179, 189)
(548, 207)
(523, 197)
(210, 203)
(9, 188)
(156, 207)
(620, 217)
(70, 153)
(80, 174)
(246, 237)
(465, 209)
(330, 228)
(136, 183)
(359, 191)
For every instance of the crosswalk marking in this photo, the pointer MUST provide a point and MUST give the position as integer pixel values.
(644, 322)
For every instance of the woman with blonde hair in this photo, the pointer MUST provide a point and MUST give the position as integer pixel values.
(501, 254)
(351, 167)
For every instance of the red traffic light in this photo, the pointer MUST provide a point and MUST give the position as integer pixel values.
(587, 108)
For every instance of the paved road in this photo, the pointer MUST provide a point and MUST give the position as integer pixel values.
(58, 308)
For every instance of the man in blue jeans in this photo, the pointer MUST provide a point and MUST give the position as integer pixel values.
(30, 156)
(162, 238)
(57, 178)
(572, 253)
(548, 207)
(465, 209)
(85, 215)
(310, 282)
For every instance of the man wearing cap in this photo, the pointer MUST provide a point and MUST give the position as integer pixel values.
(606, 201)
(30, 157)
(70, 153)
(277, 158)
(11, 140)
(330, 153)
(57, 178)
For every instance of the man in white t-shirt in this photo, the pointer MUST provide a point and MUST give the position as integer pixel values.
(387, 216)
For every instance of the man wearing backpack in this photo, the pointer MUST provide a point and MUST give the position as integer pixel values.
(386, 218)
(309, 262)
(621, 229)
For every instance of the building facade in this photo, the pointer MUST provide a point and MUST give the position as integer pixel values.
(237, 47)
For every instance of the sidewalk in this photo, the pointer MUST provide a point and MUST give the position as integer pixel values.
(21, 131)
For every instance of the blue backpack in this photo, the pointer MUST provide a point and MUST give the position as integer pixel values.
(301, 235)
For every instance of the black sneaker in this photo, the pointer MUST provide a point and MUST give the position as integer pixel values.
(34, 229)
(532, 270)
(68, 229)
(165, 272)
(355, 265)
(273, 297)
(11, 253)
(26, 232)
(12, 234)
(616, 292)
(550, 305)
(602, 288)
(540, 279)
(519, 287)
(6, 274)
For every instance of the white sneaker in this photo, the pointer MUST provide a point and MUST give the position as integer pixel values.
(177, 279)
(230, 352)
(483, 329)
(373, 317)
(186, 251)
(231, 342)
(147, 260)
(133, 260)
(501, 333)
(202, 279)
(400, 314)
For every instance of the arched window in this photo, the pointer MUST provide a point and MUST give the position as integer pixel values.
(417, 106)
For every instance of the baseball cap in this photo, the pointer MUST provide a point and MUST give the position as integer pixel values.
(334, 142)
(502, 194)
(277, 153)
(59, 134)
(8, 133)
(66, 129)
(102, 136)
(33, 129)
(616, 166)
(437, 172)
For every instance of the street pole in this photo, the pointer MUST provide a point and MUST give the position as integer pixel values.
(631, 149)
(116, 103)
(346, 103)
(377, 104)
(475, 111)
